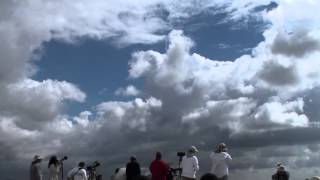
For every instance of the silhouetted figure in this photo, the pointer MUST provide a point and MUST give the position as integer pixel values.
(78, 173)
(220, 162)
(190, 164)
(133, 169)
(54, 168)
(281, 173)
(158, 168)
(35, 168)
(209, 176)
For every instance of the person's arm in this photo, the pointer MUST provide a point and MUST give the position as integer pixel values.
(127, 169)
(138, 169)
(228, 158)
(196, 164)
(85, 177)
(70, 173)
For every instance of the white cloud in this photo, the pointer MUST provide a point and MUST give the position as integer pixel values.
(188, 94)
(133, 114)
(128, 91)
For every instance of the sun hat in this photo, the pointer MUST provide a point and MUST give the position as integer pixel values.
(193, 149)
(222, 147)
(37, 157)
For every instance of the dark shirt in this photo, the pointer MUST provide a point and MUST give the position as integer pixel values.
(281, 176)
(132, 170)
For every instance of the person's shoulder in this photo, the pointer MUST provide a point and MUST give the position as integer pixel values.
(194, 157)
(82, 171)
(225, 153)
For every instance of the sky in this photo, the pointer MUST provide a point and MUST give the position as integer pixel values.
(103, 80)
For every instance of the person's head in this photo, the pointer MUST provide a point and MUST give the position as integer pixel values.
(81, 164)
(133, 158)
(158, 155)
(192, 150)
(208, 176)
(116, 171)
(37, 159)
(53, 160)
(222, 147)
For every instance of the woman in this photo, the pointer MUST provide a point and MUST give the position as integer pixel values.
(220, 162)
(190, 164)
(54, 168)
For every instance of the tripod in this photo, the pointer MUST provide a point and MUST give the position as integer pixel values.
(61, 163)
(179, 168)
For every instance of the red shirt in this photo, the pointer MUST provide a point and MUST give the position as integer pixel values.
(159, 170)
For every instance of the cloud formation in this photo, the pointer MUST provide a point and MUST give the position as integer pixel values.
(264, 104)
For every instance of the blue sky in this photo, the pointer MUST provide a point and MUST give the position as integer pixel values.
(134, 77)
(100, 67)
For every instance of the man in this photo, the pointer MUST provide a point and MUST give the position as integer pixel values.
(220, 162)
(35, 168)
(158, 168)
(133, 169)
(78, 173)
(190, 164)
(281, 173)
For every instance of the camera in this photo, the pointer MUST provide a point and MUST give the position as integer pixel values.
(64, 158)
(181, 154)
(93, 166)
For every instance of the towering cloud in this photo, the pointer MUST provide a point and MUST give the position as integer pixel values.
(263, 104)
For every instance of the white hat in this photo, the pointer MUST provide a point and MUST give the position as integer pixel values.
(193, 149)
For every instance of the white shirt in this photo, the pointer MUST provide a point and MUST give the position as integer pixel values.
(79, 174)
(220, 163)
(190, 166)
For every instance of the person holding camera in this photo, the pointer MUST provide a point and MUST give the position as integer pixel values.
(158, 168)
(35, 168)
(190, 164)
(220, 162)
(54, 167)
(78, 173)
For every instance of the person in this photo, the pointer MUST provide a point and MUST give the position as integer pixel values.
(315, 178)
(220, 162)
(158, 168)
(113, 176)
(190, 164)
(35, 168)
(78, 173)
(133, 169)
(281, 173)
(209, 176)
(54, 168)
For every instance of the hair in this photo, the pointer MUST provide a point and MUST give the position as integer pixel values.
(53, 160)
(117, 170)
(158, 155)
(133, 158)
(208, 176)
(82, 164)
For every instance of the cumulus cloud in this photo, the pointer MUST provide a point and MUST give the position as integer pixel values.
(254, 103)
(280, 75)
(128, 91)
(297, 44)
